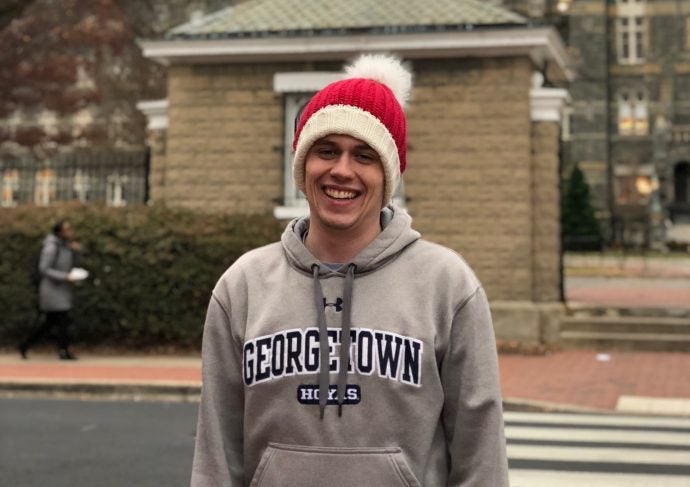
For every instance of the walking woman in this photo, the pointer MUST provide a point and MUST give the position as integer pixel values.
(59, 255)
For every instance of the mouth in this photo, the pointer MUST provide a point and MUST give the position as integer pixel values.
(340, 194)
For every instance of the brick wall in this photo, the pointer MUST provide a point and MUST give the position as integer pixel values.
(468, 181)
(224, 138)
(546, 242)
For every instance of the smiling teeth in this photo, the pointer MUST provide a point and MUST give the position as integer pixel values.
(340, 195)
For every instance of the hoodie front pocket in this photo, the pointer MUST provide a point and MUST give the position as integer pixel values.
(305, 466)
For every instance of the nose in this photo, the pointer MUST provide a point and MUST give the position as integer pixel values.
(343, 166)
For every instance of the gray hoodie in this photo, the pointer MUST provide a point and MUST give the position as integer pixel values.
(418, 404)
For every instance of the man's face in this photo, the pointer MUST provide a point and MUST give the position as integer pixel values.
(344, 184)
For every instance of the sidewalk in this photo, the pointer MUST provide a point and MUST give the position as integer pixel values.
(573, 380)
(135, 377)
(569, 380)
(619, 281)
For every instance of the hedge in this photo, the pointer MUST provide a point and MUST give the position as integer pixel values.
(151, 270)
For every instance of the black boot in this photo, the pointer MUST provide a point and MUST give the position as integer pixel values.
(66, 355)
(22, 350)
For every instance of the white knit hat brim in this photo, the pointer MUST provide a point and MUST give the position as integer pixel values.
(357, 123)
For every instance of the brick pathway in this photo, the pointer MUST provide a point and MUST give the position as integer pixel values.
(578, 378)
(105, 370)
(629, 292)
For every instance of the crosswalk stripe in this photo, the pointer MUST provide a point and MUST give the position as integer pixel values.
(564, 450)
(597, 419)
(661, 438)
(540, 478)
(619, 455)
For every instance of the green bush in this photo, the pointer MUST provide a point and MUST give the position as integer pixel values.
(151, 270)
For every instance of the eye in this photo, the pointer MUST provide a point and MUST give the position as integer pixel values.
(367, 157)
(326, 153)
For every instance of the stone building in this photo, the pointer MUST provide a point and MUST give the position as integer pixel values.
(629, 123)
(483, 126)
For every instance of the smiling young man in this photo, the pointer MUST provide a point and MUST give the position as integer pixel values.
(352, 352)
(344, 187)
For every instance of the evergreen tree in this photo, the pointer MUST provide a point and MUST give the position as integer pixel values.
(580, 227)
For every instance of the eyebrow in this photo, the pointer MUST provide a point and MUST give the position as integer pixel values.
(326, 141)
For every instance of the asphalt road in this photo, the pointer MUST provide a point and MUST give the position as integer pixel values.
(60, 443)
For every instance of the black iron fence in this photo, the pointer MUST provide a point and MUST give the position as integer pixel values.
(116, 178)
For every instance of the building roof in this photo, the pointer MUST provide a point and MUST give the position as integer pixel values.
(268, 18)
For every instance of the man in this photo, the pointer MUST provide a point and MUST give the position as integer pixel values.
(352, 352)
(59, 255)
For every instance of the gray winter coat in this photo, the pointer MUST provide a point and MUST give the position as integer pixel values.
(57, 259)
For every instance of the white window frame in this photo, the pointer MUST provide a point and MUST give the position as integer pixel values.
(631, 31)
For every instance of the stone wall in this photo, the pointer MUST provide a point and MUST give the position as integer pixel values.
(546, 229)
(224, 138)
(468, 178)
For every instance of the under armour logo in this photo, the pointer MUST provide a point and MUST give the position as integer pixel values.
(338, 305)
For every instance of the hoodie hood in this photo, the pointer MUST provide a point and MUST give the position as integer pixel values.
(396, 235)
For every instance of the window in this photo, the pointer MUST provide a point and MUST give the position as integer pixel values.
(10, 187)
(298, 88)
(45, 187)
(634, 190)
(294, 104)
(631, 31)
(633, 118)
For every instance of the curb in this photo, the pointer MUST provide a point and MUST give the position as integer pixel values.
(535, 406)
(103, 390)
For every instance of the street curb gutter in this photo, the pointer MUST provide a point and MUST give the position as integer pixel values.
(530, 405)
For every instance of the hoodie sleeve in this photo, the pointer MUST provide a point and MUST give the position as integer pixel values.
(472, 411)
(218, 453)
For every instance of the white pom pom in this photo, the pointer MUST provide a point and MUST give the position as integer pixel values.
(385, 69)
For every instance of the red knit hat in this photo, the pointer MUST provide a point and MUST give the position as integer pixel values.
(367, 105)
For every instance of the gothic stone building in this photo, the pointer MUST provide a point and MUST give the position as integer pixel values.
(629, 126)
(483, 127)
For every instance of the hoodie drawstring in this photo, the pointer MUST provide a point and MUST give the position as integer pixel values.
(324, 366)
(345, 339)
(345, 336)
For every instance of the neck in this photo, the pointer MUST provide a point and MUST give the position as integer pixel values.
(338, 246)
